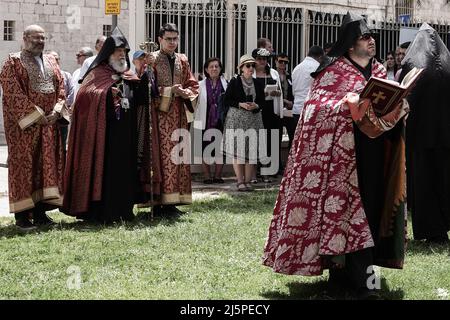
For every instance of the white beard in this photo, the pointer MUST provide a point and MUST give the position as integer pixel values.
(119, 65)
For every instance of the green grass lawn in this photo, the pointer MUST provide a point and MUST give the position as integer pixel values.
(214, 252)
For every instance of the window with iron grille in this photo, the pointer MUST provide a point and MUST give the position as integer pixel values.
(404, 10)
(107, 29)
(8, 30)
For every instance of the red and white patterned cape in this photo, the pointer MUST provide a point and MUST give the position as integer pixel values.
(319, 211)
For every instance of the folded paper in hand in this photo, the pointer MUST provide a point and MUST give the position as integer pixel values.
(385, 94)
(269, 89)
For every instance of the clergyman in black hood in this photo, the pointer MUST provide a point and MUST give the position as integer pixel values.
(428, 137)
(105, 170)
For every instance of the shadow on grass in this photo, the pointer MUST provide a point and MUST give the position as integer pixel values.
(422, 247)
(142, 220)
(261, 201)
(319, 291)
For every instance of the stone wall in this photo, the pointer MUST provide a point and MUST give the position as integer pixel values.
(69, 24)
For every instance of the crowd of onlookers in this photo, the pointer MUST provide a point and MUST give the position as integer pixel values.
(278, 111)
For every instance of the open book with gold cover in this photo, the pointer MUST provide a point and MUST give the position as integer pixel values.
(387, 94)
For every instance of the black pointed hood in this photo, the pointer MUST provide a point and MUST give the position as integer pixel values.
(116, 40)
(353, 26)
(428, 123)
(427, 51)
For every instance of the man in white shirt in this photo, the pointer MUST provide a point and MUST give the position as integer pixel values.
(87, 63)
(301, 82)
(83, 54)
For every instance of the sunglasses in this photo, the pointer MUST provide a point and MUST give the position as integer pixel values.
(366, 36)
(283, 61)
(249, 65)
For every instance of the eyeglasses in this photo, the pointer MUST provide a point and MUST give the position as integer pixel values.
(249, 65)
(174, 39)
(283, 61)
(366, 37)
(80, 55)
(38, 38)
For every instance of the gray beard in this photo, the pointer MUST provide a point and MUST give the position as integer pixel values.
(120, 66)
(34, 51)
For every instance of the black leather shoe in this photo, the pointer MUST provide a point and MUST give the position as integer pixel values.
(367, 294)
(338, 283)
(25, 225)
(43, 221)
(438, 240)
(173, 211)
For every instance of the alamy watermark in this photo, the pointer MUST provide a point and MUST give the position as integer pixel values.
(374, 280)
(74, 280)
(241, 146)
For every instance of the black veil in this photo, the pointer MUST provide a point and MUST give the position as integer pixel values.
(428, 123)
(116, 40)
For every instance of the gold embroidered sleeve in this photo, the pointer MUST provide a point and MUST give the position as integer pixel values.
(189, 82)
(374, 126)
(16, 104)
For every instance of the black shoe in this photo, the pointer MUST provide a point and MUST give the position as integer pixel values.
(208, 181)
(438, 240)
(367, 294)
(43, 221)
(157, 211)
(173, 211)
(25, 225)
(338, 282)
(218, 180)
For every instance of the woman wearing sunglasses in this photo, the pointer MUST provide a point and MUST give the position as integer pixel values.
(243, 123)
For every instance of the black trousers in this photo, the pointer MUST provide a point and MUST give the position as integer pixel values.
(291, 125)
(370, 166)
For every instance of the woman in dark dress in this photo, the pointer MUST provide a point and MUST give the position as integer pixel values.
(207, 115)
(243, 139)
(271, 107)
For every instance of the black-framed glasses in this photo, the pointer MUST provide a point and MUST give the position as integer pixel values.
(38, 38)
(249, 65)
(80, 55)
(283, 61)
(174, 39)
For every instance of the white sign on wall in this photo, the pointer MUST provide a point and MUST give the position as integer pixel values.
(407, 34)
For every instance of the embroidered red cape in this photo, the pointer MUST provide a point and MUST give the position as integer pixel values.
(35, 152)
(86, 150)
(319, 213)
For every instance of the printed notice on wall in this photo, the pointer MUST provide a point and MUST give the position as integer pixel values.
(112, 7)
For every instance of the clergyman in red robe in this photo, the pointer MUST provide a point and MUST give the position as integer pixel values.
(33, 98)
(172, 177)
(341, 204)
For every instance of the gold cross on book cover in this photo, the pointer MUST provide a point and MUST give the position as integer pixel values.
(387, 94)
